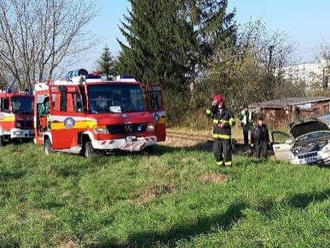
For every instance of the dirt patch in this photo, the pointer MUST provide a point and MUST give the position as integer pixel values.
(69, 244)
(153, 192)
(179, 142)
(214, 177)
(64, 240)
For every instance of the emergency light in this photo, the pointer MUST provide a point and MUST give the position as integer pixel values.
(80, 72)
(93, 76)
(8, 90)
(29, 91)
(76, 73)
(126, 76)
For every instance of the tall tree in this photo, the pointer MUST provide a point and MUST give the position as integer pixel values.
(36, 36)
(107, 63)
(168, 41)
(252, 70)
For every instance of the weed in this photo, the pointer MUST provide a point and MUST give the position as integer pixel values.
(173, 198)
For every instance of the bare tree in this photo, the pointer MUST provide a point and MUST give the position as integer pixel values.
(253, 69)
(37, 35)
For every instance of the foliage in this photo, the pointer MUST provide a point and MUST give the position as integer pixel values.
(252, 70)
(244, 72)
(159, 200)
(168, 41)
(107, 63)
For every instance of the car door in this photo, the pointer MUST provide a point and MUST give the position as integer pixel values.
(66, 117)
(156, 106)
(282, 143)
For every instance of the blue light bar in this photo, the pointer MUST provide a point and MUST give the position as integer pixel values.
(80, 72)
(126, 76)
(76, 73)
(68, 75)
(93, 76)
(29, 91)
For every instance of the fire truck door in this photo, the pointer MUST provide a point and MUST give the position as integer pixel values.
(64, 118)
(156, 106)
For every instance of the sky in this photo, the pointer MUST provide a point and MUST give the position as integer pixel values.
(306, 22)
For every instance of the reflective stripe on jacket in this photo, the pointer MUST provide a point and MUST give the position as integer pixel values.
(219, 116)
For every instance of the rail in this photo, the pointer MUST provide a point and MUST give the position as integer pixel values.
(188, 136)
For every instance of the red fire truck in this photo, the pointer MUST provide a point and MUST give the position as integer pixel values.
(16, 116)
(84, 113)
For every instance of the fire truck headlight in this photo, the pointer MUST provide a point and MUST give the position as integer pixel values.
(150, 128)
(18, 124)
(101, 130)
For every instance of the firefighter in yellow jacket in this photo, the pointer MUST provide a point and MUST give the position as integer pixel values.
(223, 120)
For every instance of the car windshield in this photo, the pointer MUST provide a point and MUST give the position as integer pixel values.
(22, 105)
(116, 98)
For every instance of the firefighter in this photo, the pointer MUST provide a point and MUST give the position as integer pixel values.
(223, 120)
(246, 124)
(260, 138)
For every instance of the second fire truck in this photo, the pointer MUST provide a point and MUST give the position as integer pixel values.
(16, 116)
(84, 113)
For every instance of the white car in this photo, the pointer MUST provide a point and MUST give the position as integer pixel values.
(307, 144)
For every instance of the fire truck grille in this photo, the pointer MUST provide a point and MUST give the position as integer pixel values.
(127, 128)
(25, 124)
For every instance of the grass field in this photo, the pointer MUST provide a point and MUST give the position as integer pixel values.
(172, 198)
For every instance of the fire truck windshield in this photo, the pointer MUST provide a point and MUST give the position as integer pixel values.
(22, 105)
(116, 98)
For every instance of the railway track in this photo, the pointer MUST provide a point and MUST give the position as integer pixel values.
(188, 136)
(202, 141)
(193, 136)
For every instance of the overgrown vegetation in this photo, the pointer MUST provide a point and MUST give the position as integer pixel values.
(169, 41)
(107, 63)
(195, 49)
(173, 198)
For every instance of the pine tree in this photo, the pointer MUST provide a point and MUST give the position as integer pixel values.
(168, 41)
(107, 63)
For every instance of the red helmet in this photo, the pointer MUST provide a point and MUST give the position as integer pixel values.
(219, 98)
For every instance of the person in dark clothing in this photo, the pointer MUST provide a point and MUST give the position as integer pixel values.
(260, 138)
(223, 120)
(246, 124)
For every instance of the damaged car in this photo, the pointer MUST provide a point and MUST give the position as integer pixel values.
(307, 143)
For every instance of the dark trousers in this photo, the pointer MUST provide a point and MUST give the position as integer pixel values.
(261, 149)
(222, 151)
(246, 135)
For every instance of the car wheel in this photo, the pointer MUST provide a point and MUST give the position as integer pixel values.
(88, 149)
(47, 147)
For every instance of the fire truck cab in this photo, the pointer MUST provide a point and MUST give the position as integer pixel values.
(16, 116)
(84, 113)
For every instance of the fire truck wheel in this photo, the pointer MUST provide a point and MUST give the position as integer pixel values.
(47, 146)
(1, 141)
(88, 149)
(149, 149)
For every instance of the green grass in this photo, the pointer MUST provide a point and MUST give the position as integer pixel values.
(106, 201)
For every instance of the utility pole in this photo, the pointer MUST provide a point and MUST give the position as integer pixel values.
(325, 77)
(271, 49)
